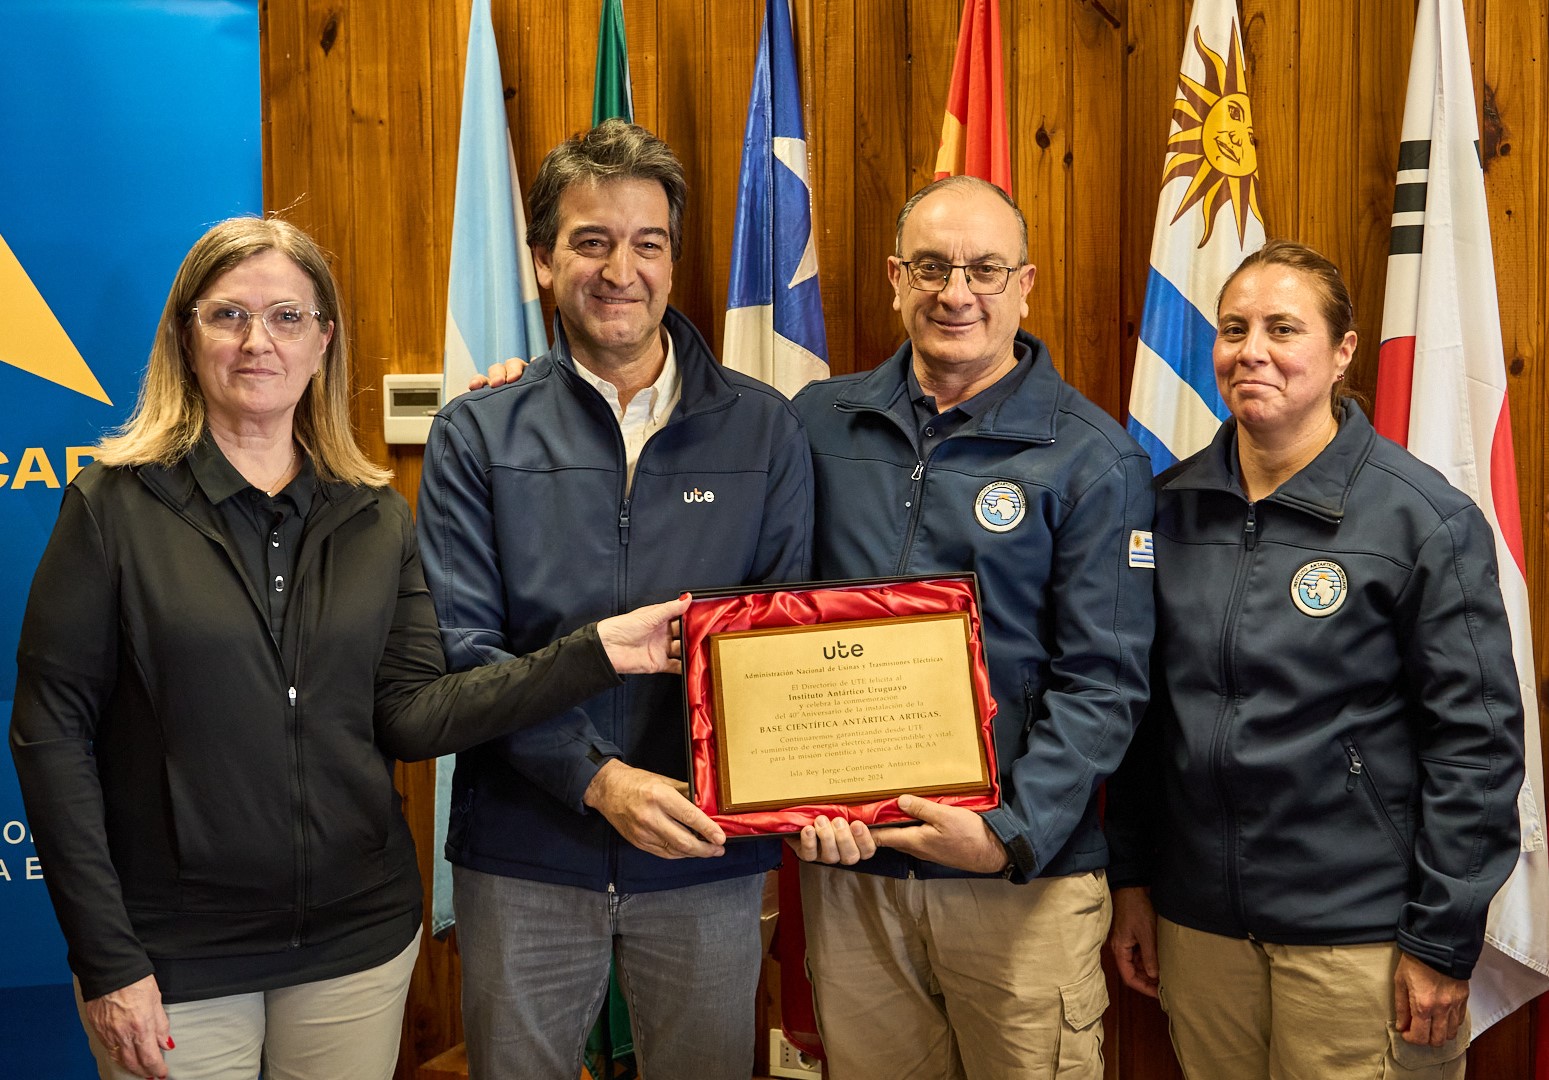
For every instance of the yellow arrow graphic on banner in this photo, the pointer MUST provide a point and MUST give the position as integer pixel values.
(32, 339)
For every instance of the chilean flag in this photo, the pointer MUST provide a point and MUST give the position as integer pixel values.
(1441, 391)
(974, 139)
(774, 307)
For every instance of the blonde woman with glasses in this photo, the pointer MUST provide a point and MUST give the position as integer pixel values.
(228, 643)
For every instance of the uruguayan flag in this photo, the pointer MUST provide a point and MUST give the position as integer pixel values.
(774, 311)
(1142, 549)
(1206, 220)
(492, 309)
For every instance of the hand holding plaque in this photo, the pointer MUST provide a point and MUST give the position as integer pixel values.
(797, 710)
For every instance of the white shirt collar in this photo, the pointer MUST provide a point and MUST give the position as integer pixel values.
(648, 410)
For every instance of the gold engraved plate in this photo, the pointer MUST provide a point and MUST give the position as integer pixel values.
(846, 712)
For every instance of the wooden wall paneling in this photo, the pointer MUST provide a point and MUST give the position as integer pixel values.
(547, 63)
(1506, 1049)
(287, 127)
(933, 29)
(426, 239)
(419, 250)
(1092, 360)
(576, 79)
(320, 194)
(529, 84)
(881, 167)
(1474, 19)
(731, 46)
(369, 233)
(1040, 116)
(1382, 76)
(326, 207)
(425, 65)
(1516, 159)
(826, 50)
(1515, 152)
(1531, 390)
(645, 58)
(1139, 1047)
(323, 209)
(684, 122)
(1329, 132)
(294, 138)
(1153, 46)
(538, 68)
(1270, 30)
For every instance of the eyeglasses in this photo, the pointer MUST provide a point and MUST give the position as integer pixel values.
(225, 321)
(984, 279)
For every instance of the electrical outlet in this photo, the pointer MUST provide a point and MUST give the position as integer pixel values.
(786, 1060)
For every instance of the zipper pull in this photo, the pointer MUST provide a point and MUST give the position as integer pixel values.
(919, 468)
(624, 523)
(1250, 529)
(291, 693)
(1356, 767)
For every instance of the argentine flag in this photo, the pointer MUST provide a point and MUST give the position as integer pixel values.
(492, 309)
(774, 311)
(1207, 220)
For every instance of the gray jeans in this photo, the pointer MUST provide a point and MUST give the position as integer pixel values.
(535, 969)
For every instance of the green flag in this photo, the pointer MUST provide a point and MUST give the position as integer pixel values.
(611, 95)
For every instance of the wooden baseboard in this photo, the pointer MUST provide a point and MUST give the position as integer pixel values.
(453, 1065)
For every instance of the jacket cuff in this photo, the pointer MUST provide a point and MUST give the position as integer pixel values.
(1128, 870)
(595, 655)
(105, 980)
(1008, 830)
(1127, 877)
(586, 771)
(1445, 960)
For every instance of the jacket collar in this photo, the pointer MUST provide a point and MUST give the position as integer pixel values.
(1028, 413)
(176, 485)
(1321, 488)
(705, 386)
(332, 505)
(219, 479)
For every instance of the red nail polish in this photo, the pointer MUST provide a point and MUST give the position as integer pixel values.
(170, 1044)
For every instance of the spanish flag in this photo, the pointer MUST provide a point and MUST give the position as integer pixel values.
(974, 139)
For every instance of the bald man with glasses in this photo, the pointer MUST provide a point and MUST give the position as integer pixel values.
(969, 945)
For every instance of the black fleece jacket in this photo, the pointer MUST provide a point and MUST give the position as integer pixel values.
(195, 790)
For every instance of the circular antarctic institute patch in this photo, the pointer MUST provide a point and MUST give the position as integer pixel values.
(1000, 506)
(1319, 588)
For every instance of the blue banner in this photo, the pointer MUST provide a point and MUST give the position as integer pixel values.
(128, 127)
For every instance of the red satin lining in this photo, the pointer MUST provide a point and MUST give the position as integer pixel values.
(803, 607)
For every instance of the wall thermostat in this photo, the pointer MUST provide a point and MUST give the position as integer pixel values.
(408, 403)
